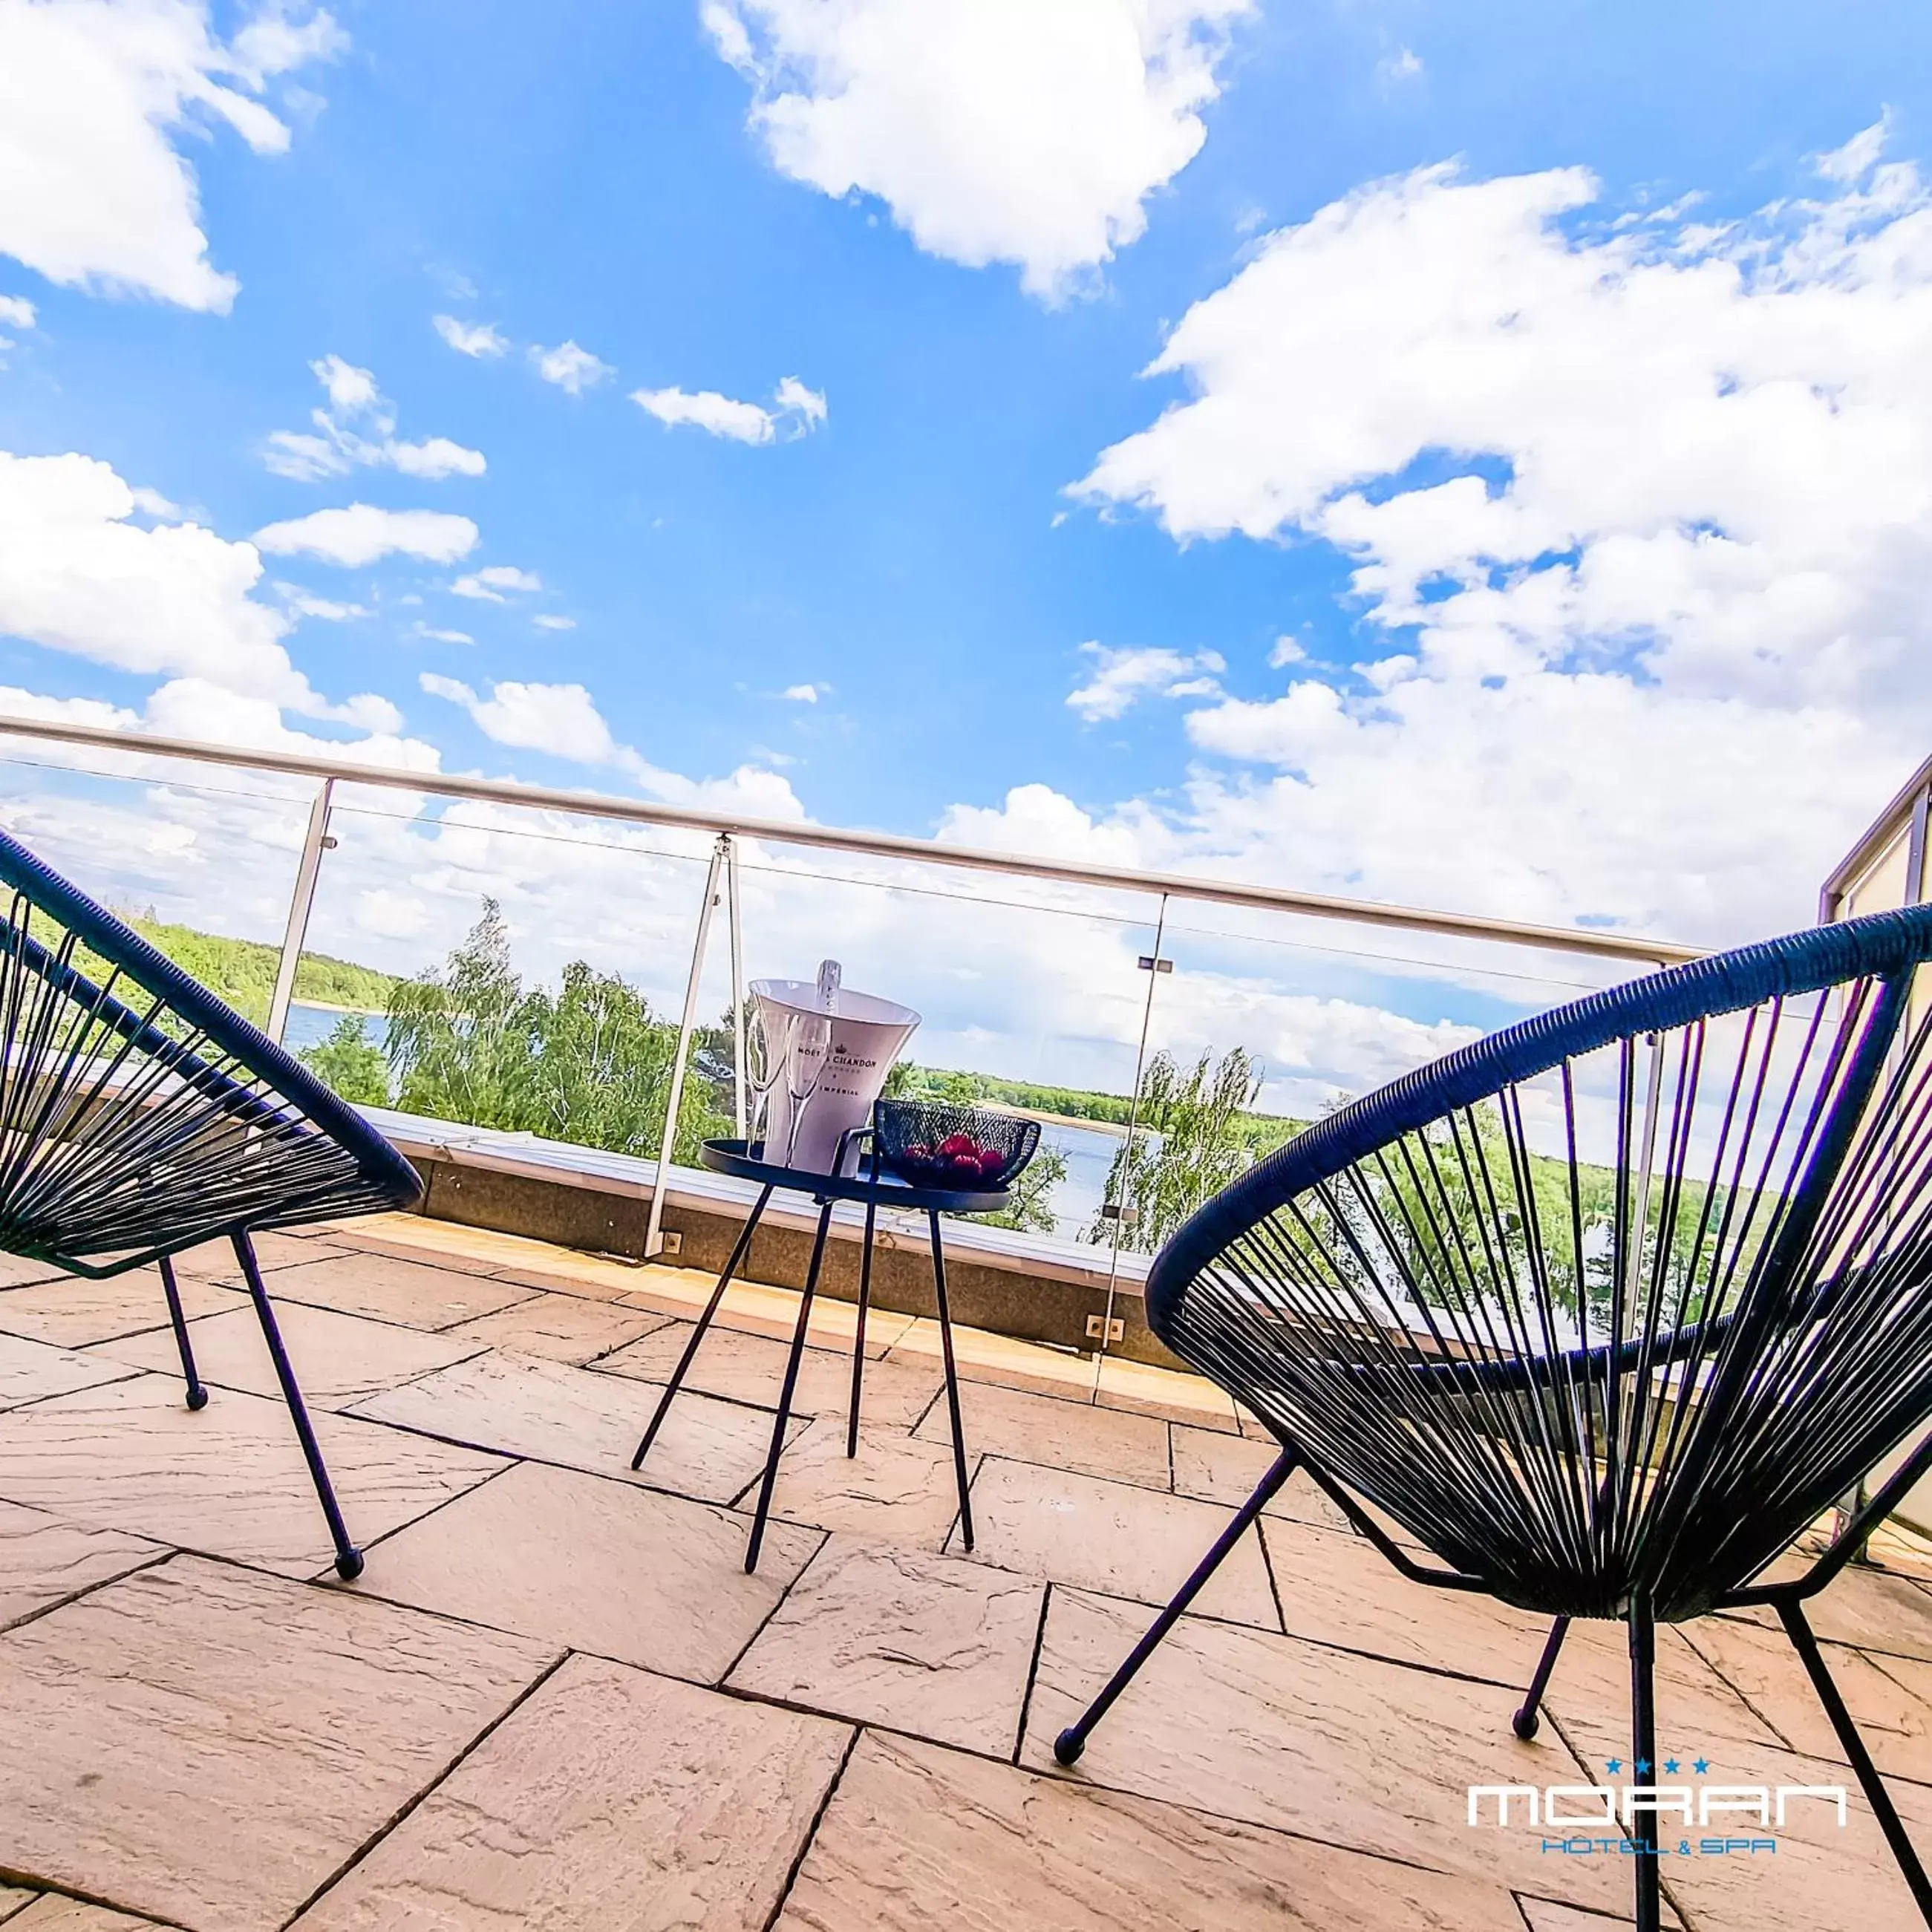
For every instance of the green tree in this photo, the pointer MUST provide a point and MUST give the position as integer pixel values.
(351, 1064)
(1190, 1141)
(588, 1064)
(1031, 1207)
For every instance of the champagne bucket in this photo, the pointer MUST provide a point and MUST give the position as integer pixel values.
(824, 1070)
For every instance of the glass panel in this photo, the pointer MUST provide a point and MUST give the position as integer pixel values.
(1028, 991)
(1268, 1021)
(545, 959)
(201, 860)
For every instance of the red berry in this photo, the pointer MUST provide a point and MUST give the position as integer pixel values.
(957, 1144)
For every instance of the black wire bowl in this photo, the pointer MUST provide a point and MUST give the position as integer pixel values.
(920, 1142)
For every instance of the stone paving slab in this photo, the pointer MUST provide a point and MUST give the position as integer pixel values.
(29, 1370)
(751, 1368)
(338, 1359)
(1059, 1434)
(752, 1309)
(1218, 1468)
(1870, 1609)
(981, 1357)
(73, 1312)
(228, 1480)
(13, 1899)
(1274, 1732)
(926, 1644)
(209, 1745)
(583, 1562)
(1167, 1393)
(519, 1406)
(610, 1799)
(1110, 1537)
(50, 1912)
(387, 1289)
(895, 1490)
(916, 1837)
(1765, 1669)
(559, 1328)
(215, 1261)
(1591, 1684)
(1821, 1878)
(16, 1270)
(42, 1559)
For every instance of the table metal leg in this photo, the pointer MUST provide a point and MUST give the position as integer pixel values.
(790, 1383)
(952, 1379)
(858, 1342)
(739, 1252)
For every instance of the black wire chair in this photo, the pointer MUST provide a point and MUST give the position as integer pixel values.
(139, 1116)
(1604, 1311)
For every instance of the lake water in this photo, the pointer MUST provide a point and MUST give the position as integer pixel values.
(1089, 1152)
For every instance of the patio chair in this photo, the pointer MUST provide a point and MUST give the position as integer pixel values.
(139, 1116)
(1604, 1312)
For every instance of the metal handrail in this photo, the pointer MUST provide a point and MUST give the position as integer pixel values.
(876, 844)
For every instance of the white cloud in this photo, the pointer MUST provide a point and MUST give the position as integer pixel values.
(1641, 516)
(298, 603)
(1121, 677)
(1001, 131)
(569, 367)
(16, 312)
(488, 586)
(479, 339)
(76, 576)
(800, 694)
(436, 637)
(340, 445)
(563, 721)
(361, 534)
(94, 95)
(548, 620)
(795, 410)
(559, 718)
(350, 389)
(1398, 65)
(435, 458)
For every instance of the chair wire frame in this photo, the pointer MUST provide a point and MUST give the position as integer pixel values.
(1604, 1311)
(140, 1115)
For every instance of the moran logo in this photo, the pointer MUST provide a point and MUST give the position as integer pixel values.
(1565, 1806)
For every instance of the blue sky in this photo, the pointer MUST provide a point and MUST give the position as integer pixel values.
(1632, 679)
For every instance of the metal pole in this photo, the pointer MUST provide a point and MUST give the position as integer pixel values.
(736, 912)
(315, 842)
(654, 1228)
(877, 844)
(1133, 1121)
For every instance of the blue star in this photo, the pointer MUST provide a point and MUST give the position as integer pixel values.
(1643, 1767)
(1613, 1766)
(1701, 1766)
(1670, 1767)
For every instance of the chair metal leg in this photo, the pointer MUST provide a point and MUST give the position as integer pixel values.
(1806, 1644)
(1643, 1755)
(785, 1394)
(1072, 1742)
(858, 1341)
(197, 1395)
(740, 1249)
(348, 1558)
(1525, 1722)
(952, 1382)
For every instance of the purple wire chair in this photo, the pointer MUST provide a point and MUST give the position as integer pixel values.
(139, 1116)
(1604, 1311)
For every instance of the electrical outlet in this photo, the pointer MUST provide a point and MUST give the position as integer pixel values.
(1099, 1326)
(674, 1244)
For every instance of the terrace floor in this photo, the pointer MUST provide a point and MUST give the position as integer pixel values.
(555, 1700)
